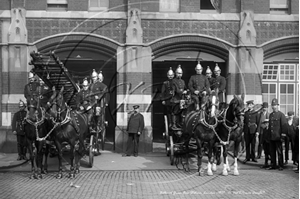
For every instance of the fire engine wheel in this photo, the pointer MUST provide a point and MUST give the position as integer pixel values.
(171, 150)
(91, 151)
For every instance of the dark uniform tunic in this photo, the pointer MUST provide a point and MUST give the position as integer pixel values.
(251, 120)
(44, 94)
(83, 98)
(198, 82)
(166, 95)
(277, 127)
(17, 125)
(212, 83)
(260, 128)
(290, 138)
(178, 88)
(98, 89)
(31, 91)
(221, 85)
(135, 124)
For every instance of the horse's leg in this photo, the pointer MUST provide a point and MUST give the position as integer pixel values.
(80, 153)
(235, 154)
(186, 167)
(31, 156)
(210, 159)
(72, 152)
(199, 156)
(225, 172)
(58, 147)
(45, 165)
(214, 157)
(39, 158)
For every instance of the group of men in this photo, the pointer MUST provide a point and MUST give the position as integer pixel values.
(271, 129)
(91, 95)
(199, 85)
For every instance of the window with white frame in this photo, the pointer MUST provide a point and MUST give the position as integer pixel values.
(98, 4)
(286, 97)
(270, 72)
(269, 92)
(287, 72)
(169, 5)
(279, 6)
(297, 101)
(57, 5)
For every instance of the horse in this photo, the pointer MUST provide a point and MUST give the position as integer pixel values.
(35, 129)
(71, 127)
(200, 125)
(229, 128)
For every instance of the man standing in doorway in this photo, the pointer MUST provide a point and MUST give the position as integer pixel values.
(220, 83)
(277, 128)
(135, 128)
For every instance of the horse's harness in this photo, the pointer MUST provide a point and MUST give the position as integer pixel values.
(38, 122)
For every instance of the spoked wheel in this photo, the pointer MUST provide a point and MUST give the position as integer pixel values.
(91, 151)
(171, 150)
(167, 146)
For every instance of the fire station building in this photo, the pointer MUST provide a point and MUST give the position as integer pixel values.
(135, 42)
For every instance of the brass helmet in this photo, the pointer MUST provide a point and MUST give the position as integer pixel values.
(30, 75)
(179, 69)
(198, 67)
(208, 71)
(100, 76)
(94, 74)
(217, 68)
(170, 72)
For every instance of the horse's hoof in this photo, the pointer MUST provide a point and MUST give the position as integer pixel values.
(236, 173)
(71, 175)
(225, 173)
(35, 177)
(44, 171)
(210, 173)
(40, 176)
(59, 176)
(77, 171)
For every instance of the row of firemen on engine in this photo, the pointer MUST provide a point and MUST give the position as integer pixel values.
(91, 95)
(199, 85)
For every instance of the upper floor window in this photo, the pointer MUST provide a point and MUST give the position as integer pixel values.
(98, 4)
(270, 72)
(169, 5)
(57, 5)
(287, 72)
(209, 6)
(279, 6)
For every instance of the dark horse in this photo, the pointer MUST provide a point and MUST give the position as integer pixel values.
(230, 127)
(70, 127)
(35, 130)
(200, 125)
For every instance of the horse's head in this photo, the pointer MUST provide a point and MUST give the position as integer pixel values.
(32, 107)
(210, 103)
(237, 106)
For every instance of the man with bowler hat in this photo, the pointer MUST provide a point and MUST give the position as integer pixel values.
(135, 128)
(261, 126)
(292, 125)
(250, 129)
(266, 143)
(277, 129)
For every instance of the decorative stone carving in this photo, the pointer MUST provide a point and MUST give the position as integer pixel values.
(247, 32)
(134, 32)
(17, 32)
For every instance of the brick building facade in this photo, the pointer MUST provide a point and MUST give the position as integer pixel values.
(134, 42)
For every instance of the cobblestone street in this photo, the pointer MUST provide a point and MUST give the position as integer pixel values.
(152, 184)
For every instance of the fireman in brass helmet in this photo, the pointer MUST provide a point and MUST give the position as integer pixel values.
(220, 83)
(211, 79)
(166, 95)
(198, 85)
(31, 89)
(179, 88)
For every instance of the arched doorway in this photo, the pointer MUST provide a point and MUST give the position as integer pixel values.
(184, 50)
(81, 53)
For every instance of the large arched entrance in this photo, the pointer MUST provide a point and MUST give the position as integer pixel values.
(81, 53)
(184, 50)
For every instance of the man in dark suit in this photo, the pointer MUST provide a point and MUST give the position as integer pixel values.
(166, 95)
(292, 125)
(135, 128)
(18, 130)
(250, 129)
(266, 143)
(277, 128)
(261, 126)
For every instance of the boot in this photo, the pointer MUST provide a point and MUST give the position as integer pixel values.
(173, 118)
(19, 152)
(24, 151)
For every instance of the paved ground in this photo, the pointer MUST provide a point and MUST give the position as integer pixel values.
(147, 176)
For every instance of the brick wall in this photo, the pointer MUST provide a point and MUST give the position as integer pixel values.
(78, 5)
(190, 6)
(294, 6)
(17, 3)
(147, 6)
(118, 5)
(5, 4)
(230, 6)
(36, 5)
(257, 6)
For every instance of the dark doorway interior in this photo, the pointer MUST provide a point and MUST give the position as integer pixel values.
(160, 69)
(81, 68)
